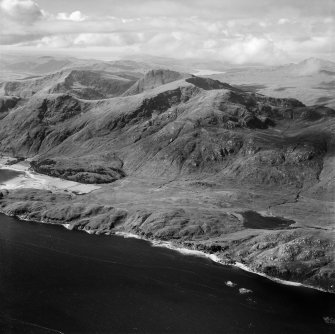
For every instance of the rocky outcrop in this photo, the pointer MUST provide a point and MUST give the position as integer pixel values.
(209, 84)
(81, 170)
(7, 103)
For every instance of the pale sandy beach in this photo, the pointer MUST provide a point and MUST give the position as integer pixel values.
(30, 179)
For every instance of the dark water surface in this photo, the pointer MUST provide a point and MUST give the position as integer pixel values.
(72, 282)
(7, 174)
(77, 283)
(253, 219)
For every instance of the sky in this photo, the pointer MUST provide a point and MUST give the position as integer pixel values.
(237, 32)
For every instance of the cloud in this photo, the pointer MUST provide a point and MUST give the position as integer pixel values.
(86, 40)
(253, 50)
(283, 20)
(311, 46)
(235, 31)
(24, 11)
(9, 39)
(74, 16)
(238, 50)
(218, 9)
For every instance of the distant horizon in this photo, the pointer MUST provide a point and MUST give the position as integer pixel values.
(143, 58)
(235, 32)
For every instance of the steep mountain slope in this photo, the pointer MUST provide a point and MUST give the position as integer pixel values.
(188, 159)
(80, 83)
(7, 103)
(153, 79)
(185, 127)
(172, 115)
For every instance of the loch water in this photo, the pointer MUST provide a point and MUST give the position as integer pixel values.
(53, 280)
(8, 174)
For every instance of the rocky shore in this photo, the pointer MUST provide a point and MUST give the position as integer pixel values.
(287, 254)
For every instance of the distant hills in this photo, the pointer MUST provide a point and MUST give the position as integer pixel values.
(21, 66)
(307, 67)
(313, 66)
(312, 81)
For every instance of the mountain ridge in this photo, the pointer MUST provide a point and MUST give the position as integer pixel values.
(185, 158)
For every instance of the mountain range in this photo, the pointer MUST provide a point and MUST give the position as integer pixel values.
(210, 164)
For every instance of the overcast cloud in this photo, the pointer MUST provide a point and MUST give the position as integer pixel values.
(236, 31)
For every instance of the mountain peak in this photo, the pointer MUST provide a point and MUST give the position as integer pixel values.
(155, 78)
(164, 75)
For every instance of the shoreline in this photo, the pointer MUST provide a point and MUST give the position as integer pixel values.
(40, 181)
(216, 259)
(182, 250)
